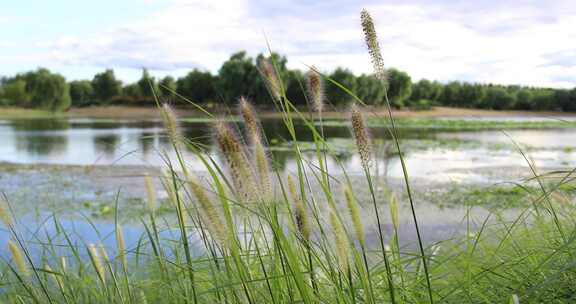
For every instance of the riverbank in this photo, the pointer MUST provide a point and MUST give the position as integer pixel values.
(124, 112)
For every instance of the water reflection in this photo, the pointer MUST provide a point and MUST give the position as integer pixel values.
(134, 142)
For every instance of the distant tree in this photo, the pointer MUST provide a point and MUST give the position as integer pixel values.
(295, 91)
(543, 99)
(523, 99)
(370, 89)
(46, 90)
(81, 92)
(498, 98)
(106, 86)
(198, 86)
(345, 78)
(167, 87)
(238, 76)
(132, 90)
(451, 94)
(471, 95)
(399, 87)
(147, 84)
(14, 94)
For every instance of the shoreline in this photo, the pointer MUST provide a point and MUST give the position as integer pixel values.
(126, 112)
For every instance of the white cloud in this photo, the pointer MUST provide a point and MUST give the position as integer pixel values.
(495, 41)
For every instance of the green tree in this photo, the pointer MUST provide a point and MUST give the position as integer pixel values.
(81, 92)
(498, 98)
(147, 84)
(106, 86)
(168, 87)
(132, 90)
(399, 87)
(451, 94)
(345, 78)
(471, 95)
(197, 86)
(370, 90)
(47, 90)
(523, 99)
(295, 91)
(14, 93)
(238, 76)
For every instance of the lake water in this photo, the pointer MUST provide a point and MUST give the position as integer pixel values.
(446, 156)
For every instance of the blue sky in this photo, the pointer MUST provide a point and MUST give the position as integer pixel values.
(501, 41)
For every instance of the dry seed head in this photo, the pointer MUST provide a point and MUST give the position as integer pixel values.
(121, 247)
(355, 215)
(373, 46)
(238, 166)
(211, 216)
(269, 73)
(170, 123)
(254, 134)
(18, 258)
(315, 87)
(250, 120)
(96, 262)
(342, 247)
(150, 193)
(361, 136)
(300, 214)
(55, 277)
(5, 215)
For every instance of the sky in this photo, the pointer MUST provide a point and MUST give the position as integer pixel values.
(528, 42)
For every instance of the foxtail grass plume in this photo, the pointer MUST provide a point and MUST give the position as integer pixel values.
(237, 163)
(210, 214)
(5, 215)
(315, 87)
(300, 213)
(361, 136)
(55, 277)
(341, 240)
(121, 248)
(373, 46)
(96, 262)
(150, 194)
(394, 211)
(254, 134)
(271, 78)
(170, 123)
(18, 258)
(354, 210)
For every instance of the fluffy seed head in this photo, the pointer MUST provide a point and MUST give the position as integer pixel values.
(236, 160)
(373, 46)
(300, 214)
(170, 123)
(5, 216)
(342, 246)
(269, 73)
(315, 87)
(121, 247)
(209, 212)
(96, 262)
(354, 210)
(18, 258)
(55, 277)
(361, 136)
(250, 120)
(150, 193)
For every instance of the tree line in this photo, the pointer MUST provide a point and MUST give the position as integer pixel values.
(240, 76)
